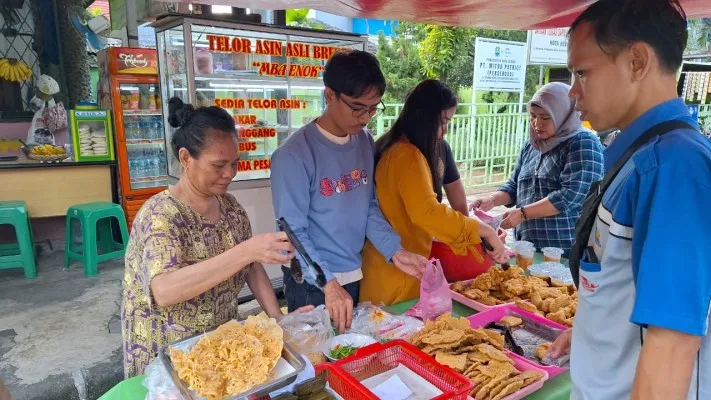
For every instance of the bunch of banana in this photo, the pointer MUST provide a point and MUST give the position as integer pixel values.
(47, 150)
(14, 71)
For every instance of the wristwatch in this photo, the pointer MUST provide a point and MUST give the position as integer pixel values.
(523, 214)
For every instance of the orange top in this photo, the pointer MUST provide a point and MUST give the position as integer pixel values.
(403, 186)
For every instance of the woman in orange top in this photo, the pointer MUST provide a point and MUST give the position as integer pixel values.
(408, 186)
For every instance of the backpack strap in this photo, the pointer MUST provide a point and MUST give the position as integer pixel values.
(588, 214)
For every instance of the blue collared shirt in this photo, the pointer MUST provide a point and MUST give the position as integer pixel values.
(651, 235)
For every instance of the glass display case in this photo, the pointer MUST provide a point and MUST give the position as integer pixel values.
(268, 78)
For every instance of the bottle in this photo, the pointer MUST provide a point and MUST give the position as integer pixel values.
(162, 162)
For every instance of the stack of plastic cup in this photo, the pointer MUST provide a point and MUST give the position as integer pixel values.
(524, 254)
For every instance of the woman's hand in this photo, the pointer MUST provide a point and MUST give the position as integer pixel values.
(499, 254)
(512, 218)
(269, 248)
(485, 204)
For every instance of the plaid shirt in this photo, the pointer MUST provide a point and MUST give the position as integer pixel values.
(563, 175)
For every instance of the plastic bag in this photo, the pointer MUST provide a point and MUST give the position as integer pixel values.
(159, 383)
(493, 221)
(55, 118)
(308, 332)
(375, 322)
(435, 297)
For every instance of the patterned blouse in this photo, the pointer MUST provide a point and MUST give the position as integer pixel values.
(168, 235)
(563, 175)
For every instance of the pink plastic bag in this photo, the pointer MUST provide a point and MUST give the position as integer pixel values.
(435, 297)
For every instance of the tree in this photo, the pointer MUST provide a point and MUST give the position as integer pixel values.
(300, 17)
(400, 61)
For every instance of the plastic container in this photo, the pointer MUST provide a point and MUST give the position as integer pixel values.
(484, 318)
(341, 383)
(378, 359)
(473, 304)
(524, 254)
(461, 268)
(552, 254)
(522, 364)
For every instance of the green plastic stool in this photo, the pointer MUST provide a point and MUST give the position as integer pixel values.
(97, 234)
(15, 213)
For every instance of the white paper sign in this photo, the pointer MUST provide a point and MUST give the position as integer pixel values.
(548, 47)
(499, 65)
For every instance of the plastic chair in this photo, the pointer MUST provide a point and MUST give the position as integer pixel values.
(15, 213)
(97, 234)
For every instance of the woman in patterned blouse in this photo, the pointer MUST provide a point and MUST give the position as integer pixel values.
(553, 173)
(191, 248)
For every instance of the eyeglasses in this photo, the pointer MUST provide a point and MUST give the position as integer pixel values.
(361, 111)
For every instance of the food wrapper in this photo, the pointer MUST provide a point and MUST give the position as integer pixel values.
(435, 297)
(373, 321)
(493, 221)
(309, 332)
(159, 383)
(558, 273)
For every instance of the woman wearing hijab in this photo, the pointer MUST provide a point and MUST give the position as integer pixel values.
(553, 173)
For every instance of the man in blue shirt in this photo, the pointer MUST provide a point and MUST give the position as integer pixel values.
(641, 329)
(322, 185)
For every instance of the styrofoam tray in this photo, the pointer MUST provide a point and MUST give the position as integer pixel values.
(421, 389)
(473, 304)
(484, 318)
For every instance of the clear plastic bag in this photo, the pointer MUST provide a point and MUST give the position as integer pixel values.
(373, 321)
(159, 383)
(435, 297)
(308, 332)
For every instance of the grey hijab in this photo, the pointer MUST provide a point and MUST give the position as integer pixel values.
(553, 98)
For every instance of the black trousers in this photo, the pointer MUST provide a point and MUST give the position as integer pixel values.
(304, 294)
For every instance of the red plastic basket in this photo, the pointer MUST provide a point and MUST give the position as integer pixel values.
(379, 358)
(342, 383)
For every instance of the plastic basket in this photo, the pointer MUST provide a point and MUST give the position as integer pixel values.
(343, 384)
(379, 358)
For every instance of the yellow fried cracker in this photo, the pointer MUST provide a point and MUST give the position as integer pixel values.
(530, 377)
(457, 362)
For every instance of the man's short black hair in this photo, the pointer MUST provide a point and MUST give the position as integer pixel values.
(617, 24)
(353, 73)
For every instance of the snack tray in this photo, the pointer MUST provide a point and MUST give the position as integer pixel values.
(473, 304)
(523, 364)
(482, 319)
(289, 359)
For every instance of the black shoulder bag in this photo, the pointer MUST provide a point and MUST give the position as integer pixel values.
(585, 223)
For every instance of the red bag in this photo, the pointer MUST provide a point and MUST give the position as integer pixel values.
(462, 268)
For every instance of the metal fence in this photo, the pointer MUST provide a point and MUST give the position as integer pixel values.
(485, 139)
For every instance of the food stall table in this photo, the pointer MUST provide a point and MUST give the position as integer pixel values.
(557, 388)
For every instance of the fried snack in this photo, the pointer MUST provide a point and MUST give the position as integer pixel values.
(457, 362)
(476, 353)
(526, 306)
(459, 287)
(560, 317)
(542, 350)
(510, 321)
(231, 359)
